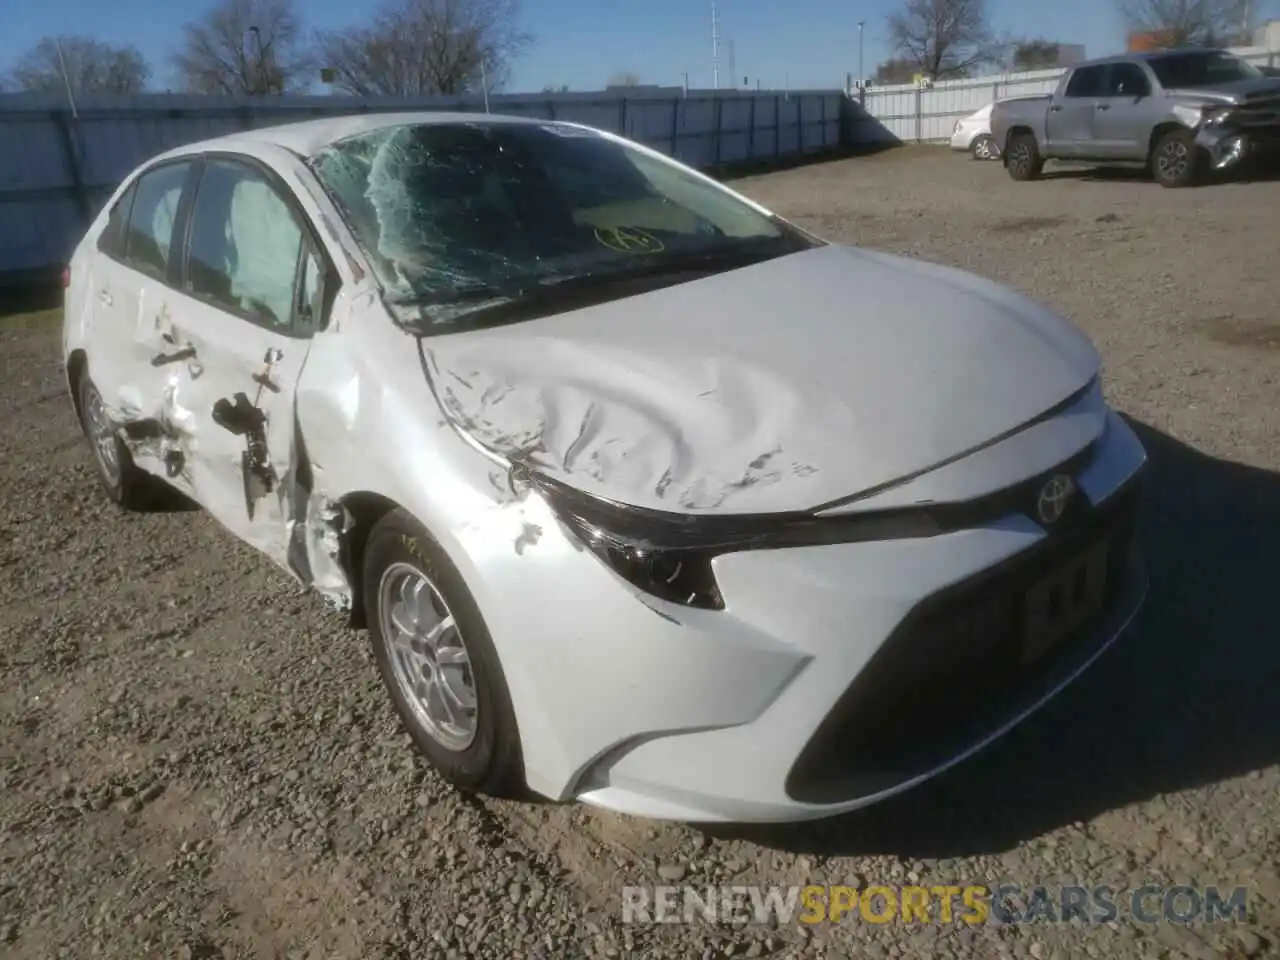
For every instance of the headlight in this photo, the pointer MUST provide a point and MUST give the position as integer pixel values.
(659, 553)
(668, 555)
(1213, 114)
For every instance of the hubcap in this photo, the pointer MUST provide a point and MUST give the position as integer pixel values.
(102, 436)
(1021, 157)
(1173, 160)
(428, 656)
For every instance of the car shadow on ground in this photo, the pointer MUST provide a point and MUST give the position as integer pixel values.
(1186, 698)
(19, 299)
(1132, 174)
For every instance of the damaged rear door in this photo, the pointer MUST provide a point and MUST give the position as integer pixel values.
(252, 295)
(129, 298)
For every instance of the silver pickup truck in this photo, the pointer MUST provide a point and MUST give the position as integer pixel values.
(1178, 112)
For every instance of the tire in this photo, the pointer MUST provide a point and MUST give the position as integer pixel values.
(1022, 158)
(478, 752)
(1177, 161)
(128, 486)
(983, 147)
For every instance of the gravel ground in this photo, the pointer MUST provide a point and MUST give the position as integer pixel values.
(197, 759)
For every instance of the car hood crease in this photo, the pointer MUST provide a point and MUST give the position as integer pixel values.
(772, 388)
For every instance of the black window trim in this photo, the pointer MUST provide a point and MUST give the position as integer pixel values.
(311, 242)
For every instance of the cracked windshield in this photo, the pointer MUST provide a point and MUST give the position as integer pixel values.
(463, 217)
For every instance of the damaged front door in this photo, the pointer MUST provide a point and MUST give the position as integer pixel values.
(252, 295)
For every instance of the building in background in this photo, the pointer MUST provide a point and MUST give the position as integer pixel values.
(1267, 35)
(1148, 41)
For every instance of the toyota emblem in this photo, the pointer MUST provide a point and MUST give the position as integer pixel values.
(1054, 497)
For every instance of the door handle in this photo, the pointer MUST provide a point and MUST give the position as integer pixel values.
(1055, 108)
(104, 298)
(1102, 106)
(160, 359)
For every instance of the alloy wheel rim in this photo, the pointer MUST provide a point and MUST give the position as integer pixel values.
(1173, 160)
(102, 436)
(428, 656)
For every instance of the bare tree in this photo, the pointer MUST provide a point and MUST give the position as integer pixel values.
(942, 38)
(426, 48)
(245, 47)
(1189, 23)
(625, 78)
(91, 67)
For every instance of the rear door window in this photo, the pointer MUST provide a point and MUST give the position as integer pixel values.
(149, 236)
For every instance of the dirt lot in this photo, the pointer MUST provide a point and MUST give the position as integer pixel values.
(197, 760)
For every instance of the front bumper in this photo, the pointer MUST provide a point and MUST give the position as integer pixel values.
(1234, 145)
(898, 683)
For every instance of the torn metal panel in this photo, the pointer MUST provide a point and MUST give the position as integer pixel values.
(709, 397)
(323, 525)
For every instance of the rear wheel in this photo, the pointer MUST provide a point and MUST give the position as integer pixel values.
(1023, 158)
(437, 659)
(125, 483)
(1177, 161)
(984, 147)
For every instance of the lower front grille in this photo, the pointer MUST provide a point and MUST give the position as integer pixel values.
(953, 672)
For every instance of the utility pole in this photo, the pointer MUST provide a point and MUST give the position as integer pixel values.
(66, 80)
(733, 64)
(862, 77)
(715, 45)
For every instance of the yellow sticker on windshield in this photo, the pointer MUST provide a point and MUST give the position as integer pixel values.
(628, 240)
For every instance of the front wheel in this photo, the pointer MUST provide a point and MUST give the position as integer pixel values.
(1023, 159)
(1177, 160)
(437, 659)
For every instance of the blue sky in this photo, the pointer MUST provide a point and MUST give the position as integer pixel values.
(803, 43)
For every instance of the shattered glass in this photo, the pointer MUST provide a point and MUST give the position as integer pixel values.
(458, 218)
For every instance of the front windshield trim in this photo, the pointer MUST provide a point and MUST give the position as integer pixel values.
(424, 262)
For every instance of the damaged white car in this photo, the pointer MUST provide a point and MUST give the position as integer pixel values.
(647, 497)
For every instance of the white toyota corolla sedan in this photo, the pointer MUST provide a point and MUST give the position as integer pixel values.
(647, 497)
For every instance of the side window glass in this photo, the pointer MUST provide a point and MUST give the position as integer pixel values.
(1086, 82)
(244, 245)
(111, 240)
(1128, 80)
(149, 237)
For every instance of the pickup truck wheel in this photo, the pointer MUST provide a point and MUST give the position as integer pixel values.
(1023, 158)
(1177, 161)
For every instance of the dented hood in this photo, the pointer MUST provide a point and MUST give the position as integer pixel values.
(780, 386)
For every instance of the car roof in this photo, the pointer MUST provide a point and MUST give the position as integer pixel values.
(1147, 56)
(309, 137)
